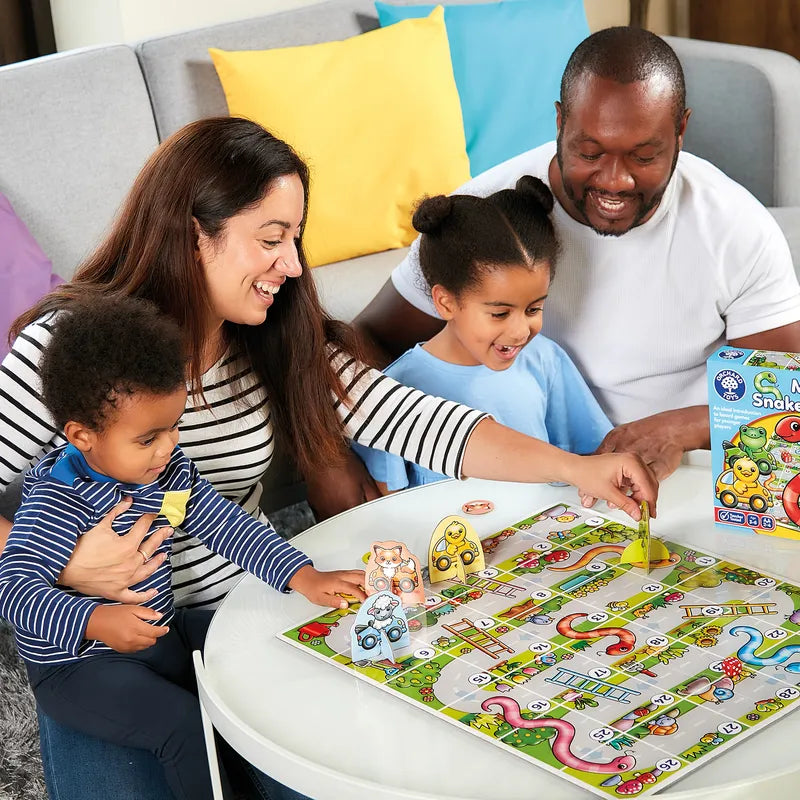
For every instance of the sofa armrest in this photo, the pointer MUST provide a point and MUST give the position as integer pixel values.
(745, 115)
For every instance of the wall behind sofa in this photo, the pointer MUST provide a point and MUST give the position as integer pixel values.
(78, 23)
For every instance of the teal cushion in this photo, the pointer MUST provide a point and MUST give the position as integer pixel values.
(507, 60)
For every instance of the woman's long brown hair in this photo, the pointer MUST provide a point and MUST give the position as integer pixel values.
(209, 171)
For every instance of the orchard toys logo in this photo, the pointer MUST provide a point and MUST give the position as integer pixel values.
(731, 354)
(729, 385)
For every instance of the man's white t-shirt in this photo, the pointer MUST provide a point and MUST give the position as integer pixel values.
(640, 313)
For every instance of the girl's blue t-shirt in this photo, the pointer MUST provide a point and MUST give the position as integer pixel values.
(541, 394)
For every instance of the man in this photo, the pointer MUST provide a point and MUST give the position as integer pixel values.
(663, 257)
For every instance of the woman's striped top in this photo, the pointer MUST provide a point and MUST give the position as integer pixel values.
(231, 438)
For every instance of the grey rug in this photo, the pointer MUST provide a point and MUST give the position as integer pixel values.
(20, 762)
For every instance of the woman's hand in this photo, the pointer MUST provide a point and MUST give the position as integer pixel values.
(622, 479)
(326, 588)
(105, 564)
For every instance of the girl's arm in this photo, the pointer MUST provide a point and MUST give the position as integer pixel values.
(499, 453)
(458, 441)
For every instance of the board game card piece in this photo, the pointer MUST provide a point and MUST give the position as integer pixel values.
(478, 507)
(455, 550)
(379, 627)
(392, 567)
(644, 550)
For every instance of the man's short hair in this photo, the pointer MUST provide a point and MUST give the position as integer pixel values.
(625, 55)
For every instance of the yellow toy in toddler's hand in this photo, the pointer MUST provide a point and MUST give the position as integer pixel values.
(645, 551)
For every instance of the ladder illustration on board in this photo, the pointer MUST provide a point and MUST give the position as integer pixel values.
(583, 683)
(728, 610)
(489, 644)
(494, 587)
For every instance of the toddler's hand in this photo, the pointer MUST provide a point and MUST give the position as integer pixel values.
(622, 479)
(124, 628)
(323, 588)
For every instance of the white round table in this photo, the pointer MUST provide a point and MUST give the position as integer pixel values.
(334, 737)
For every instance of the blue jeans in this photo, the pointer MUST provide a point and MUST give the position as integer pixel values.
(79, 767)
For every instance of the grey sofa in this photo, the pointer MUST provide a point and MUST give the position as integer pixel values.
(76, 127)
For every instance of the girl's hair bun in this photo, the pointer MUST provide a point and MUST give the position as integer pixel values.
(431, 213)
(537, 190)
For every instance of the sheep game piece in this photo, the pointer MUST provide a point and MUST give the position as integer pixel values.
(392, 567)
(380, 626)
(455, 551)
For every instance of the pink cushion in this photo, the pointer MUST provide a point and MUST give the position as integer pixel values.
(25, 271)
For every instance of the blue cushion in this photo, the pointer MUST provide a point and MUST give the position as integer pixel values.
(507, 60)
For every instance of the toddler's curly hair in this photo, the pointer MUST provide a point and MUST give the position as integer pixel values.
(104, 348)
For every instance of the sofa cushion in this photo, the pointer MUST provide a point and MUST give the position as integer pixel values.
(25, 271)
(75, 128)
(745, 115)
(181, 78)
(345, 288)
(379, 129)
(507, 59)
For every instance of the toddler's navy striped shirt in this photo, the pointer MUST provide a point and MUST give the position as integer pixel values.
(63, 498)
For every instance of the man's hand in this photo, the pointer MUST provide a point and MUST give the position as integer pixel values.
(124, 628)
(340, 488)
(660, 440)
(325, 588)
(105, 564)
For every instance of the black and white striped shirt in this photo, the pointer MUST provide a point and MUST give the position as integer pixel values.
(231, 439)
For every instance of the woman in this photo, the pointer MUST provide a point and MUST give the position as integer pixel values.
(212, 234)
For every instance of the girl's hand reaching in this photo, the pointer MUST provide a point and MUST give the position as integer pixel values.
(622, 479)
(326, 588)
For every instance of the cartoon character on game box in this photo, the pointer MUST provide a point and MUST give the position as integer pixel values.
(788, 429)
(740, 485)
(752, 441)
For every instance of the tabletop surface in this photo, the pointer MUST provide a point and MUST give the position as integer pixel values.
(331, 735)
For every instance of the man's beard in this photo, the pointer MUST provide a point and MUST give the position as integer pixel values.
(645, 207)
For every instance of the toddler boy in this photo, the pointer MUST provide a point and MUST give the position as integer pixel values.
(113, 378)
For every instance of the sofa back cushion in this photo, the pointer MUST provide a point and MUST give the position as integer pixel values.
(182, 81)
(745, 115)
(75, 129)
(379, 130)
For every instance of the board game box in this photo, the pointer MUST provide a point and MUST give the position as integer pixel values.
(754, 407)
(616, 680)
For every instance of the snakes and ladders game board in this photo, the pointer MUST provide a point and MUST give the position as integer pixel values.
(616, 680)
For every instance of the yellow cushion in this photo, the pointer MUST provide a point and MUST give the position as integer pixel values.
(376, 117)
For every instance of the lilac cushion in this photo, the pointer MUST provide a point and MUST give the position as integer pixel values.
(25, 271)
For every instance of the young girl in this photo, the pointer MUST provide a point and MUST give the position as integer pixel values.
(489, 263)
